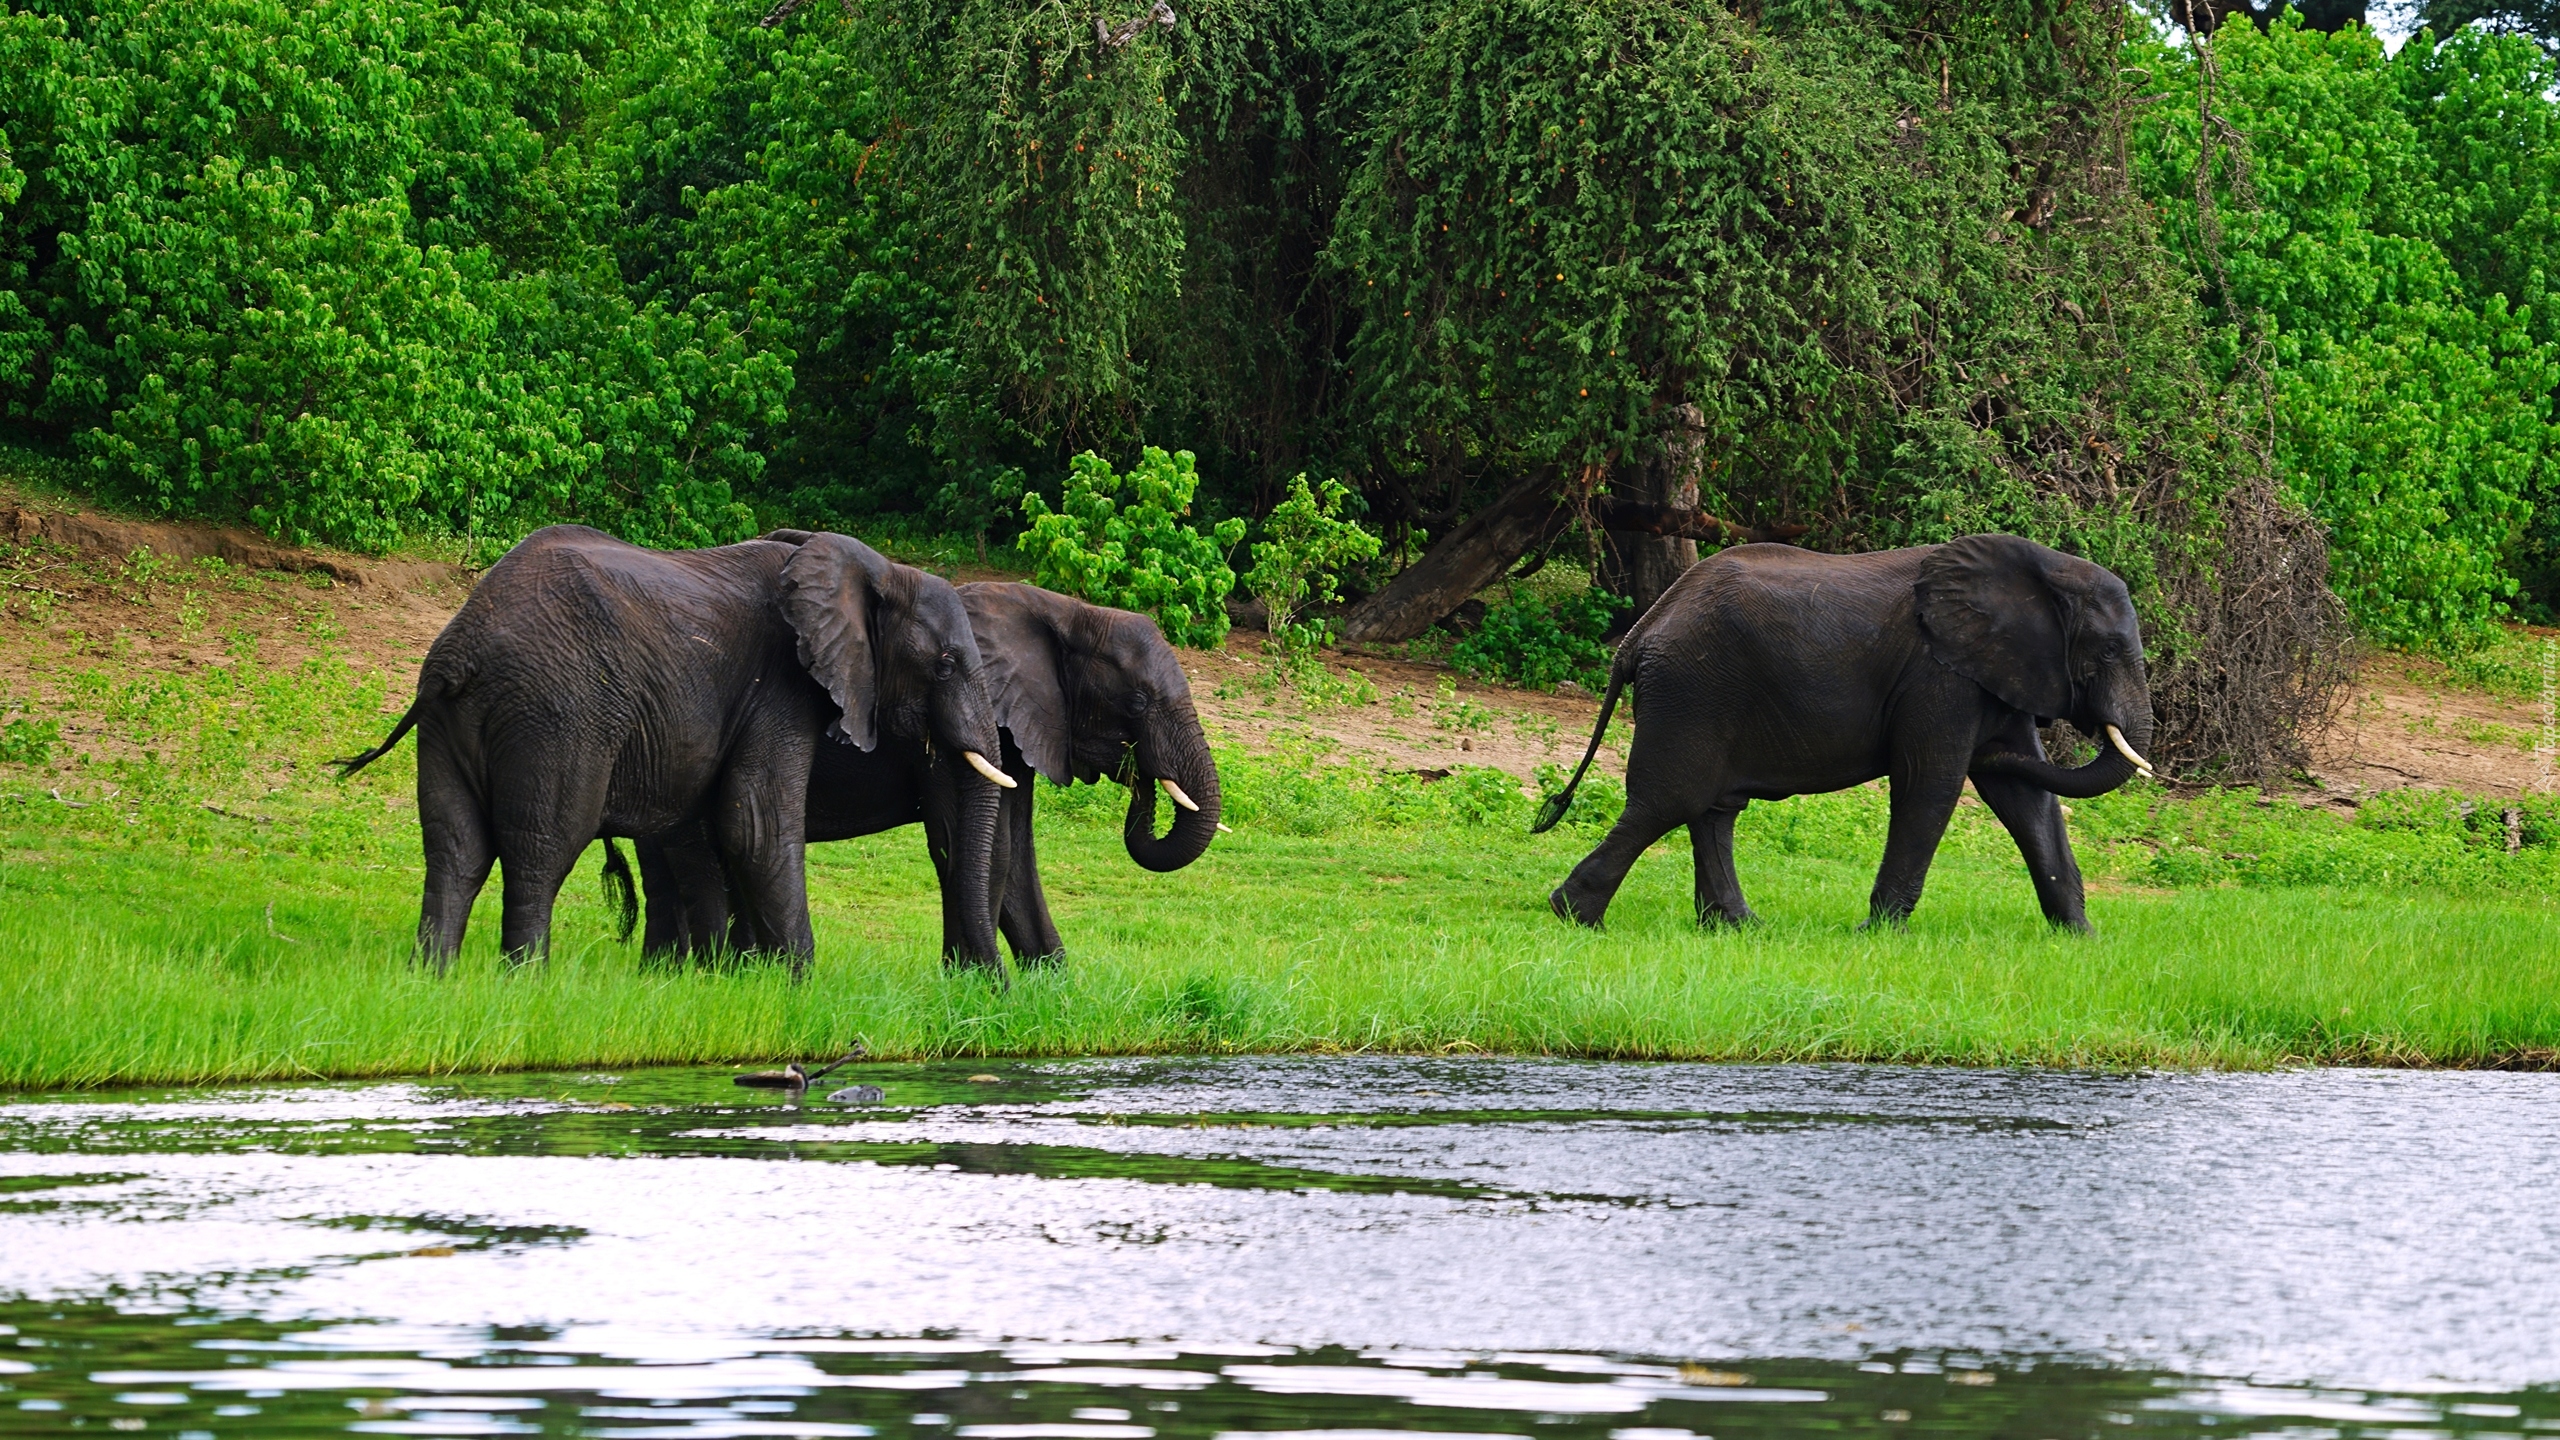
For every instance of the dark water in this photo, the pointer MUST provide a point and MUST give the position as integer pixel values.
(1338, 1247)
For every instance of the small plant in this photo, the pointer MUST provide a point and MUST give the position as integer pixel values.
(190, 613)
(140, 571)
(1538, 642)
(1119, 540)
(27, 741)
(1450, 711)
(1400, 704)
(1308, 545)
(1540, 728)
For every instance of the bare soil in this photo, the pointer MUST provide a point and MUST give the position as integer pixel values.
(158, 596)
(2404, 726)
(177, 596)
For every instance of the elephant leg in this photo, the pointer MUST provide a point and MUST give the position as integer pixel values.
(1584, 896)
(661, 900)
(458, 855)
(1923, 802)
(2034, 818)
(765, 852)
(1719, 889)
(688, 912)
(536, 866)
(1027, 925)
(547, 811)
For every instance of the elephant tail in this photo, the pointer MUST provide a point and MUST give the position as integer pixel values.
(1621, 670)
(354, 763)
(618, 887)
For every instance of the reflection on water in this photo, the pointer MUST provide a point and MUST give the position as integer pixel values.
(91, 1367)
(1342, 1247)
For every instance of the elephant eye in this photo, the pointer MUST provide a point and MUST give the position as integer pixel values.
(943, 665)
(1137, 702)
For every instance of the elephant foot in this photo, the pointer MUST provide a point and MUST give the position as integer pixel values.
(1898, 922)
(2076, 924)
(1050, 961)
(1716, 919)
(1567, 911)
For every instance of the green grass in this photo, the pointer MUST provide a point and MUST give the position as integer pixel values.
(1350, 910)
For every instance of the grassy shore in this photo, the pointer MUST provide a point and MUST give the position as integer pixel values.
(185, 895)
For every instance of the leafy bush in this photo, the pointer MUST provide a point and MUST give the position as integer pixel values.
(1307, 548)
(340, 269)
(1540, 641)
(1119, 540)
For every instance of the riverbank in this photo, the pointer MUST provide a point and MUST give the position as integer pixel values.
(188, 894)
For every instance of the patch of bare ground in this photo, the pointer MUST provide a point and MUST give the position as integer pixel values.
(2406, 725)
(148, 596)
(1423, 717)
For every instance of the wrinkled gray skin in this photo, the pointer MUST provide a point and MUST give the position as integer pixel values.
(1080, 691)
(590, 687)
(1769, 671)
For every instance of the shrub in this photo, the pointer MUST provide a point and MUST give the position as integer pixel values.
(1307, 548)
(341, 270)
(1540, 641)
(1119, 540)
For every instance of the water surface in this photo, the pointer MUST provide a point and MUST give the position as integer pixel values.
(1119, 1250)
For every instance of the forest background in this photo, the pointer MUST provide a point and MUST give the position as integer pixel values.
(2255, 317)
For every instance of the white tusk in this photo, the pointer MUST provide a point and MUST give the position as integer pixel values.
(979, 763)
(1223, 830)
(2115, 737)
(1178, 797)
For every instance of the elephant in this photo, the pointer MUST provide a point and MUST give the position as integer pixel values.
(590, 687)
(1768, 671)
(1080, 691)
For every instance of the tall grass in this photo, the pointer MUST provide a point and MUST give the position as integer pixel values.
(217, 908)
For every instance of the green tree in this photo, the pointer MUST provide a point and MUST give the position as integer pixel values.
(2410, 415)
(1308, 543)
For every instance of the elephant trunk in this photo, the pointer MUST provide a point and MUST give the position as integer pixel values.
(1174, 750)
(2112, 767)
(973, 854)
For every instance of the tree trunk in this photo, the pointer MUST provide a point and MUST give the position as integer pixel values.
(1641, 566)
(1461, 563)
(1528, 515)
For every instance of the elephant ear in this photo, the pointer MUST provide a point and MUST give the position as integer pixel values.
(1022, 651)
(1988, 612)
(831, 590)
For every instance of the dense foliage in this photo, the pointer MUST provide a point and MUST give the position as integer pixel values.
(1120, 540)
(1543, 640)
(336, 268)
(365, 269)
(2393, 265)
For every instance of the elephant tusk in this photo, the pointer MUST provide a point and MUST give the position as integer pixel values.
(979, 763)
(1223, 830)
(1178, 797)
(2116, 738)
